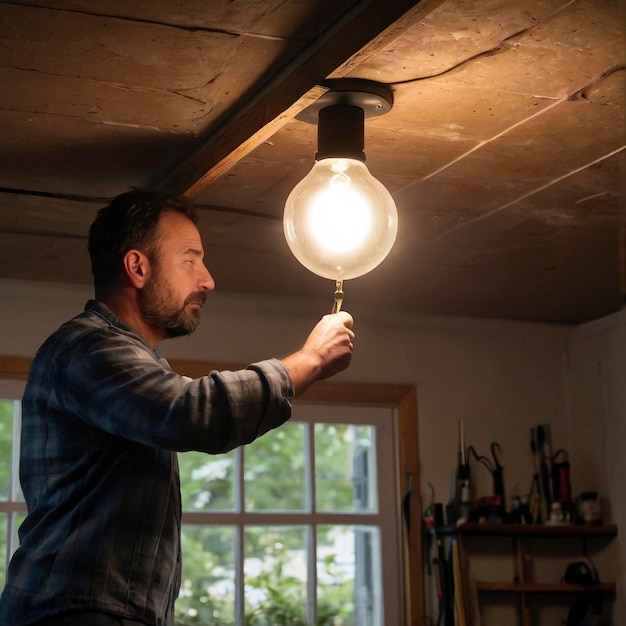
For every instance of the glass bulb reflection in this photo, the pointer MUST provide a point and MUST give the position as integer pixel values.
(340, 222)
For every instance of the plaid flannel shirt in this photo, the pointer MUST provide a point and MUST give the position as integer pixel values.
(103, 416)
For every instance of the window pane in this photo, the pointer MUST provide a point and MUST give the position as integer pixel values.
(275, 471)
(6, 447)
(275, 575)
(207, 594)
(207, 482)
(348, 572)
(345, 468)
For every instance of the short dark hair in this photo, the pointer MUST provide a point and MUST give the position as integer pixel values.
(129, 222)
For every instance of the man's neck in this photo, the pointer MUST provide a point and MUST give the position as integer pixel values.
(123, 304)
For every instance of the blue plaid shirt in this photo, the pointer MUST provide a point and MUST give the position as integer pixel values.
(103, 416)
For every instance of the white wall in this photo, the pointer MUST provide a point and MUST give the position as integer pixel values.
(500, 378)
(597, 408)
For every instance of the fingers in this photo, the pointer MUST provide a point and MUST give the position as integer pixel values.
(348, 322)
(345, 317)
(338, 342)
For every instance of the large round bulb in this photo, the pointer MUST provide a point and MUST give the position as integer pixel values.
(339, 221)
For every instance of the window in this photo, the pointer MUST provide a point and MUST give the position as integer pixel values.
(299, 527)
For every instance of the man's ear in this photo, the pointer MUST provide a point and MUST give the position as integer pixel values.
(136, 268)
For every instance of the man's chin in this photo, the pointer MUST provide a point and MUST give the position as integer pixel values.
(185, 327)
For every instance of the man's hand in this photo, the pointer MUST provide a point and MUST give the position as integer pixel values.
(326, 352)
(332, 342)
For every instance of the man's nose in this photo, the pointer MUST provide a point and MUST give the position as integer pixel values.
(206, 282)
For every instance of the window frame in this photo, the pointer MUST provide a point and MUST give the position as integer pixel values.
(14, 506)
(401, 397)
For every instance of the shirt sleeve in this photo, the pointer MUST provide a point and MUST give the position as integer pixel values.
(117, 384)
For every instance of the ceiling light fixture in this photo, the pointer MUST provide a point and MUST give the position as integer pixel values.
(339, 221)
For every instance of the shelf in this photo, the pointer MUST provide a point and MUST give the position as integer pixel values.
(528, 541)
(537, 530)
(553, 588)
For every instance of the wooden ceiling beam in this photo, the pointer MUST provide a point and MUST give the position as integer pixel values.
(366, 28)
(622, 248)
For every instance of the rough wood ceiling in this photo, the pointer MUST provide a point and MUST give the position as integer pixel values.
(504, 150)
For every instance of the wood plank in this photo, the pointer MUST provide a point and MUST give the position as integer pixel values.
(539, 530)
(101, 50)
(408, 449)
(223, 149)
(14, 367)
(13, 507)
(363, 30)
(622, 253)
(542, 588)
(322, 392)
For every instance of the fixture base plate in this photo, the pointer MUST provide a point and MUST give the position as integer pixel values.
(374, 98)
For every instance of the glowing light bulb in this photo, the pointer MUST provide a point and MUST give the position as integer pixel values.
(340, 216)
(340, 222)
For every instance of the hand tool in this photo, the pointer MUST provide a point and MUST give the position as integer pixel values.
(561, 477)
(494, 466)
(534, 446)
(544, 445)
(463, 499)
(429, 530)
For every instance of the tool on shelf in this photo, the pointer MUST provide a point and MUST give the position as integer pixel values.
(552, 477)
(544, 449)
(463, 498)
(562, 487)
(494, 466)
(538, 488)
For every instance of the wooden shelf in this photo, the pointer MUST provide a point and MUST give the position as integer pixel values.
(522, 538)
(538, 530)
(546, 588)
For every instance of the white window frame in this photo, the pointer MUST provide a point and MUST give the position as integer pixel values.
(13, 507)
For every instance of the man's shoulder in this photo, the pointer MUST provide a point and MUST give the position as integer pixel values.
(86, 333)
(81, 325)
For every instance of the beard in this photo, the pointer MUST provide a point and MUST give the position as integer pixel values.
(157, 303)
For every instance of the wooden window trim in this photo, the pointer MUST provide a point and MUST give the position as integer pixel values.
(402, 398)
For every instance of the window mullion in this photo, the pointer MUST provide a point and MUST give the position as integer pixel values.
(312, 528)
(312, 573)
(15, 459)
(239, 535)
(14, 481)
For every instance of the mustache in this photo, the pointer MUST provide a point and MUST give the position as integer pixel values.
(198, 297)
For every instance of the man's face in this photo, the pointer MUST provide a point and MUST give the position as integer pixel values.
(177, 287)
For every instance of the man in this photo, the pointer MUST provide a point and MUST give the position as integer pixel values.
(104, 414)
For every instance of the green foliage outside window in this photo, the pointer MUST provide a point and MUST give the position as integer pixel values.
(275, 478)
(6, 451)
(208, 588)
(6, 447)
(275, 472)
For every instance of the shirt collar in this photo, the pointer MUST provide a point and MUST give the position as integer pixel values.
(103, 311)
